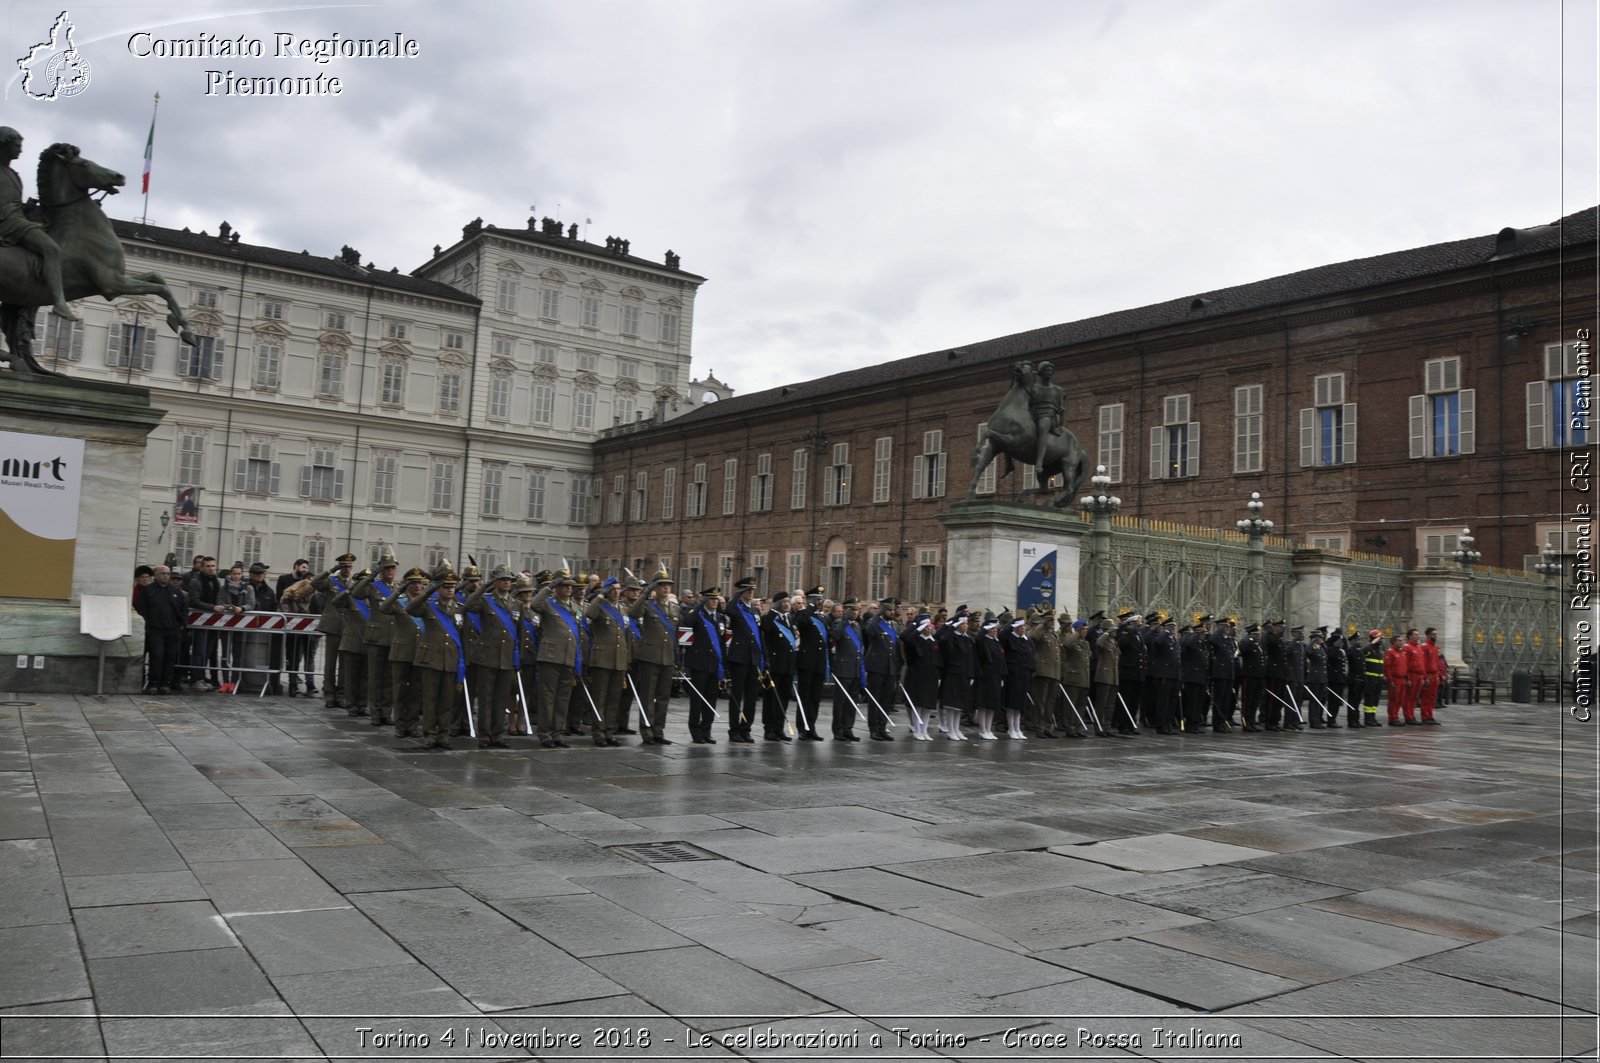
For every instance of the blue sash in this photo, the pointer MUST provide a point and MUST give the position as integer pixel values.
(476, 621)
(822, 629)
(449, 626)
(422, 625)
(716, 641)
(666, 621)
(509, 628)
(577, 639)
(783, 629)
(361, 607)
(888, 632)
(855, 640)
(624, 623)
(749, 619)
(529, 629)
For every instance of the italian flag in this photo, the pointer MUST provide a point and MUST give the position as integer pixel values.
(149, 150)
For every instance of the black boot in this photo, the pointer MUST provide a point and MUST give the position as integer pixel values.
(294, 687)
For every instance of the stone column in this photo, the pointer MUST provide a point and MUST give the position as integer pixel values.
(113, 420)
(1439, 600)
(984, 543)
(1316, 598)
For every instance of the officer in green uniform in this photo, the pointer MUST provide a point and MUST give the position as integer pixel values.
(404, 689)
(441, 659)
(655, 655)
(495, 649)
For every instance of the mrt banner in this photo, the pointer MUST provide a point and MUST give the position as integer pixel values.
(41, 478)
(1036, 575)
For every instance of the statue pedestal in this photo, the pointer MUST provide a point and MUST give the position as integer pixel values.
(993, 546)
(1439, 600)
(39, 605)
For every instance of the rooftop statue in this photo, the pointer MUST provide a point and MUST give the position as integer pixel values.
(75, 252)
(1028, 427)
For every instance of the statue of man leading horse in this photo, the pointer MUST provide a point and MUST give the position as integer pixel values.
(1027, 427)
(75, 252)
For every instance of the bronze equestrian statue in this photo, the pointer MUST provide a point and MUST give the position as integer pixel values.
(75, 252)
(1027, 427)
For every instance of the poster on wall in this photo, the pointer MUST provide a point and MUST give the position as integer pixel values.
(186, 508)
(1036, 575)
(41, 478)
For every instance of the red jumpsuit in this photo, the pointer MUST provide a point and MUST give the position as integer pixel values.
(1433, 677)
(1416, 675)
(1396, 669)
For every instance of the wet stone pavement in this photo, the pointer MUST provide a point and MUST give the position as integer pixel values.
(217, 877)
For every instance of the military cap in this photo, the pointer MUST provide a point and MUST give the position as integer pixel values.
(502, 572)
(521, 585)
(633, 585)
(365, 573)
(923, 622)
(1078, 624)
(990, 622)
(781, 596)
(1206, 619)
(711, 592)
(890, 603)
(543, 576)
(1004, 617)
(257, 568)
(609, 582)
(1182, 630)
(471, 572)
(1168, 621)
(960, 618)
(1297, 627)
(818, 591)
(748, 583)
(1153, 617)
(387, 559)
(850, 603)
(662, 578)
(416, 575)
(1098, 614)
(1251, 627)
(346, 559)
(1125, 614)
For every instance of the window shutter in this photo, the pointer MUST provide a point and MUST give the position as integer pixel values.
(1349, 433)
(1469, 419)
(1158, 452)
(919, 464)
(114, 342)
(1450, 374)
(1555, 361)
(1536, 403)
(272, 488)
(1308, 436)
(938, 475)
(147, 338)
(1419, 426)
(216, 358)
(239, 472)
(1191, 467)
(75, 349)
(755, 493)
(305, 481)
(1433, 376)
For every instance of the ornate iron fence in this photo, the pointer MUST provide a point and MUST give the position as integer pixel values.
(1511, 621)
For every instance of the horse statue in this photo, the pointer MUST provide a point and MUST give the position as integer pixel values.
(92, 262)
(1012, 433)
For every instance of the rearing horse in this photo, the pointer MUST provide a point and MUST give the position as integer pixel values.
(92, 262)
(1011, 432)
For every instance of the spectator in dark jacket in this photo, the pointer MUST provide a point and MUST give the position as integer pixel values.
(164, 608)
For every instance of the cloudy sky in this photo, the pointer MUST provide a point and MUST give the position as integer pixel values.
(860, 180)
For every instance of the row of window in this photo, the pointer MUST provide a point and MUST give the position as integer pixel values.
(1442, 425)
(256, 472)
(590, 305)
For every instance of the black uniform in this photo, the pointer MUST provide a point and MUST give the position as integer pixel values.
(811, 666)
(702, 660)
(1224, 650)
(782, 641)
(1165, 670)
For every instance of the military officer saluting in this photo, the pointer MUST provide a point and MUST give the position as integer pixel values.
(607, 666)
(655, 656)
(333, 583)
(441, 659)
(407, 634)
(377, 633)
(560, 652)
(497, 653)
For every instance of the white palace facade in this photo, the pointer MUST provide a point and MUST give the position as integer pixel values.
(333, 406)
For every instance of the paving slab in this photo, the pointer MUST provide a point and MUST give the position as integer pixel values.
(209, 982)
(771, 945)
(246, 887)
(975, 966)
(227, 844)
(31, 883)
(728, 881)
(1450, 909)
(1537, 962)
(486, 957)
(1160, 852)
(369, 868)
(511, 882)
(823, 820)
(43, 964)
(62, 1030)
(130, 930)
(697, 981)
(1350, 867)
(1038, 920)
(1405, 1011)
(994, 873)
(666, 899)
(881, 889)
(308, 942)
(1302, 943)
(790, 856)
(1223, 891)
(588, 925)
(1182, 977)
(234, 1038)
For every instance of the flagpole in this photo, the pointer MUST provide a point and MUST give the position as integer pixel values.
(149, 152)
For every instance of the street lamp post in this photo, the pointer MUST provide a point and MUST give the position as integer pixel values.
(1464, 555)
(1551, 568)
(1100, 505)
(1256, 527)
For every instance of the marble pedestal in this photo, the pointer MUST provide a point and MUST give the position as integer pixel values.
(113, 420)
(985, 541)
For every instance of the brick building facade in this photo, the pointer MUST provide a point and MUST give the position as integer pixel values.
(1377, 405)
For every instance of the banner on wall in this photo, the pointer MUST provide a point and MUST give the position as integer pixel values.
(1036, 575)
(41, 480)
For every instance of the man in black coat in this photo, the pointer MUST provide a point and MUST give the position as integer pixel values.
(1276, 701)
(1224, 648)
(1295, 678)
(811, 666)
(1316, 684)
(1131, 657)
(703, 661)
(782, 643)
(882, 660)
(1165, 671)
(165, 609)
(1194, 663)
(1253, 677)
